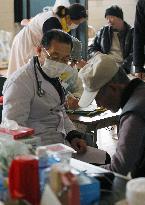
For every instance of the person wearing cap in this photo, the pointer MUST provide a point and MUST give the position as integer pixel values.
(139, 40)
(115, 39)
(25, 42)
(114, 90)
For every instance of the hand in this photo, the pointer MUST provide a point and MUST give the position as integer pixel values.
(80, 64)
(25, 22)
(79, 145)
(139, 75)
(72, 102)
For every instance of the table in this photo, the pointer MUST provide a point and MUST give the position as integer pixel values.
(96, 122)
(119, 183)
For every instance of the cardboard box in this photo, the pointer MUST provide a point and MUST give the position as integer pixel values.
(22, 132)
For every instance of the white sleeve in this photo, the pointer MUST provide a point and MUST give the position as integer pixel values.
(17, 100)
(68, 124)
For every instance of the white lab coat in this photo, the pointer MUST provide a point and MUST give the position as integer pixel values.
(45, 114)
(26, 40)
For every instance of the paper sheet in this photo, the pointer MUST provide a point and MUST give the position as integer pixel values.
(93, 155)
(49, 197)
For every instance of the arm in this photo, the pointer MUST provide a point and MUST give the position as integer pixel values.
(139, 37)
(130, 145)
(73, 136)
(128, 43)
(95, 46)
(51, 23)
(126, 65)
(17, 100)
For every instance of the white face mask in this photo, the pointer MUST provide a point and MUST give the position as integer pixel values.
(73, 26)
(53, 69)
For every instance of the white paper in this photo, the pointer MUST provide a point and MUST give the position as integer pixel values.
(93, 155)
(49, 197)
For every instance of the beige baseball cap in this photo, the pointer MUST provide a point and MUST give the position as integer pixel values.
(99, 70)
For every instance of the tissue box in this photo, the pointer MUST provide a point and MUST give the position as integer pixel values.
(22, 132)
(89, 189)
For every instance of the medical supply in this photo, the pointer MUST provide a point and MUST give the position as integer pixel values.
(135, 191)
(24, 179)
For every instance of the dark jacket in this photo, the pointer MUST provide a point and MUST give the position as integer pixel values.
(139, 37)
(103, 42)
(130, 151)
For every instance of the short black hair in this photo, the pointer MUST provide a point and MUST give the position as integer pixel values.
(75, 11)
(58, 35)
(114, 10)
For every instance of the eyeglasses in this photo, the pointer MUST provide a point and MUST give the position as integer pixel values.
(65, 60)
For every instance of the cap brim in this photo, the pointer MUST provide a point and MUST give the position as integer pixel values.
(87, 98)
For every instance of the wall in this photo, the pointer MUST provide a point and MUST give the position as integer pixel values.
(96, 11)
(6, 15)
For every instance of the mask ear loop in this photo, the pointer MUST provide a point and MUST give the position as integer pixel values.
(40, 91)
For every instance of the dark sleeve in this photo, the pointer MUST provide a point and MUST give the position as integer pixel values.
(130, 145)
(51, 23)
(126, 65)
(139, 35)
(95, 46)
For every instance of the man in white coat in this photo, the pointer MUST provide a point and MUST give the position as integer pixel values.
(34, 97)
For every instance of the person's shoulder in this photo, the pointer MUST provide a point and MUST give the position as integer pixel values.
(141, 5)
(141, 2)
(105, 28)
(22, 74)
(128, 26)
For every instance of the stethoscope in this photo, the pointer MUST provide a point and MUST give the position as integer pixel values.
(40, 90)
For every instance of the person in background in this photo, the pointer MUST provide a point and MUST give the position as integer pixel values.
(115, 39)
(139, 40)
(25, 42)
(34, 97)
(113, 90)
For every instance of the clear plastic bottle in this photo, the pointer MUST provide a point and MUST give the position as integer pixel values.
(3, 188)
(46, 160)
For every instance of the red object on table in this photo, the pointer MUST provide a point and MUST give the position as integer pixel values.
(1, 100)
(24, 179)
(22, 132)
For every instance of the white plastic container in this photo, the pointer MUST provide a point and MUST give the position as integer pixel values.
(60, 150)
(135, 191)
